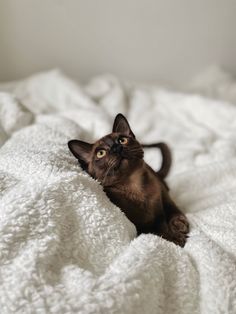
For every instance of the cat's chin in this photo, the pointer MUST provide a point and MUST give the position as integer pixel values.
(123, 163)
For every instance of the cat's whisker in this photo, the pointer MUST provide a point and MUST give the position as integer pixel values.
(111, 164)
(132, 152)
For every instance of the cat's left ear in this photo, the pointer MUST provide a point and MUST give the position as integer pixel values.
(81, 150)
(121, 125)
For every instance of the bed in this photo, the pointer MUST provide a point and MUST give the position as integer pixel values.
(65, 248)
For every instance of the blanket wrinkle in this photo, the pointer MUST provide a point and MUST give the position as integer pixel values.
(65, 248)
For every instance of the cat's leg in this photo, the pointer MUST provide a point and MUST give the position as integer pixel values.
(174, 230)
(161, 227)
(177, 221)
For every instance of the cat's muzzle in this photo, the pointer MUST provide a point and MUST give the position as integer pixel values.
(116, 149)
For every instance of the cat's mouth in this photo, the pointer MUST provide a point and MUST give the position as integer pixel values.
(123, 160)
(117, 167)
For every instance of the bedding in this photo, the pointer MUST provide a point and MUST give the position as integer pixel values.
(65, 248)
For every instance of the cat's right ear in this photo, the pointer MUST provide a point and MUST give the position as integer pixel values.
(81, 150)
(121, 125)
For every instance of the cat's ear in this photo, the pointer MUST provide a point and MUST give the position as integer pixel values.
(81, 150)
(121, 125)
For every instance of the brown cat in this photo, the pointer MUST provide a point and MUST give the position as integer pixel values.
(116, 161)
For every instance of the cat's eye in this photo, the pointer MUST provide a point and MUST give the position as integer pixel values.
(123, 140)
(101, 153)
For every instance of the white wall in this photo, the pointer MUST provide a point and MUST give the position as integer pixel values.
(143, 40)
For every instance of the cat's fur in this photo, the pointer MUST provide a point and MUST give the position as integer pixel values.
(131, 184)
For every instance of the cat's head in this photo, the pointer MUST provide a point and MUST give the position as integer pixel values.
(112, 157)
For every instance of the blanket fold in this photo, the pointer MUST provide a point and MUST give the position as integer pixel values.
(65, 248)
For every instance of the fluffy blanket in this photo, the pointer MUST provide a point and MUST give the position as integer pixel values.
(65, 248)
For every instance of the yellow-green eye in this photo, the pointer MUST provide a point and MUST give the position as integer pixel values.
(101, 153)
(123, 140)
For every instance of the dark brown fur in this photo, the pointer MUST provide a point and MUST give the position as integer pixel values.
(131, 184)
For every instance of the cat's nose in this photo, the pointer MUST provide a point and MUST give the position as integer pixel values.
(116, 148)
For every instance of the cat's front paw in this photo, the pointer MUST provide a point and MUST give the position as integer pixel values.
(179, 228)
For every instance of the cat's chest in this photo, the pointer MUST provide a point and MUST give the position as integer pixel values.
(138, 197)
(143, 186)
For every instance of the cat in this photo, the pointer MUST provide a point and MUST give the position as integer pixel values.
(116, 161)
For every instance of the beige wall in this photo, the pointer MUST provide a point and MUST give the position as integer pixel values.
(144, 40)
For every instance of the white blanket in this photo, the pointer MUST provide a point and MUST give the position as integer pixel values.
(65, 248)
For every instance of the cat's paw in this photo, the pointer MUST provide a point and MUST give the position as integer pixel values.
(179, 239)
(179, 228)
(179, 223)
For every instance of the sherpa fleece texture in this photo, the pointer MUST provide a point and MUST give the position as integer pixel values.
(65, 248)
